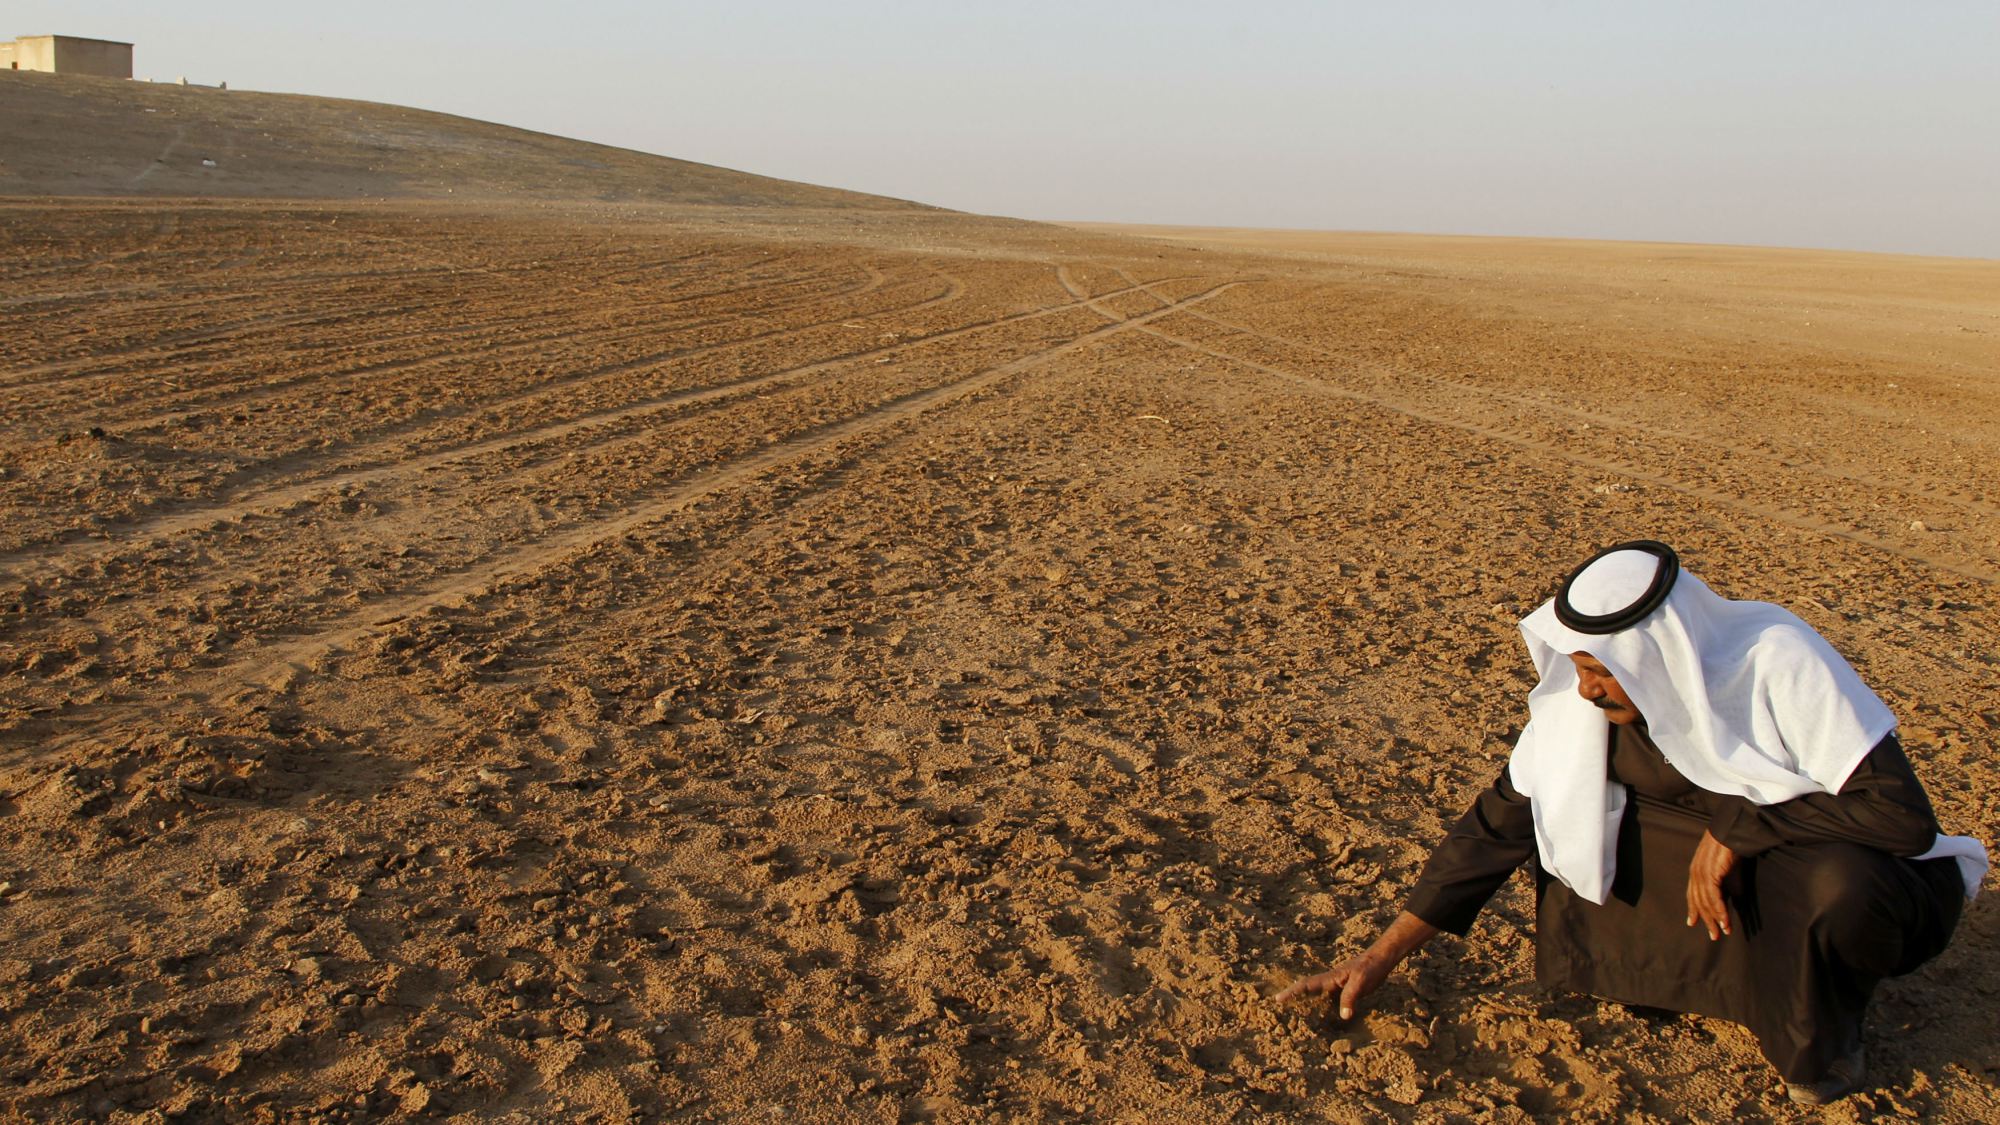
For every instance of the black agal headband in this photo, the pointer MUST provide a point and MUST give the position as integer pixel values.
(1602, 623)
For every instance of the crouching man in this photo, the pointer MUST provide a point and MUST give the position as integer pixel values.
(1722, 817)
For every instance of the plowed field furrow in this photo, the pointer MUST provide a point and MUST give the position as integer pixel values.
(592, 265)
(644, 281)
(435, 391)
(338, 542)
(412, 248)
(118, 261)
(447, 304)
(199, 291)
(187, 275)
(392, 455)
(15, 275)
(545, 386)
(389, 446)
(185, 285)
(186, 357)
(187, 292)
(335, 286)
(561, 334)
(1966, 564)
(37, 376)
(328, 634)
(248, 336)
(565, 331)
(727, 288)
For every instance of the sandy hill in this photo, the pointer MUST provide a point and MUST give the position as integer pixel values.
(71, 136)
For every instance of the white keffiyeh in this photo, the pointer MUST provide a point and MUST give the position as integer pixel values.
(1741, 697)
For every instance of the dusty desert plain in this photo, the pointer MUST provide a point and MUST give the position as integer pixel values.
(829, 661)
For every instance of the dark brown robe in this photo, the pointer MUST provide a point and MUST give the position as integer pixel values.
(1822, 905)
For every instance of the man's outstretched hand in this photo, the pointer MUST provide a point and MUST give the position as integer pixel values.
(1713, 861)
(1350, 980)
(1362, 973)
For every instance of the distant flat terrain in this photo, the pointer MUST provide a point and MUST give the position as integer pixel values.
(619, 660)
(1900, 308)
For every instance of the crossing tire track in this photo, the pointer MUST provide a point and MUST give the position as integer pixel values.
(274, 661)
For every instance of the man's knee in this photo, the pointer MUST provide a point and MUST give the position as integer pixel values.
(1855, 899)
(1845, 880)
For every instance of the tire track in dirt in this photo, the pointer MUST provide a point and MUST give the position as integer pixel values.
(617, 277)
(224, 268)
(416, 249)
(871, 280)
(181, 297)
(512, 348)
(181, 293)
(952, 290)
(158, 346)
(540, 555)
(1071, 286)
(27, 562)
(1649, 430)
(186, 289)
(333, 287)
(333, 307)
(31, 272)
(1705, 493)
(593, 269)
(607, 334)
(593, 375)
(519, 317)
(275, 663)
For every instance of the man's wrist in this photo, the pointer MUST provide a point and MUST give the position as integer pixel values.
(1736, 826)
(1403, 937)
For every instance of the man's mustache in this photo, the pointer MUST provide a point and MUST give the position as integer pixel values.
(1606, 705)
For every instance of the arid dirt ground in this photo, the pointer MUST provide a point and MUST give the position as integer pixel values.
(615, 663)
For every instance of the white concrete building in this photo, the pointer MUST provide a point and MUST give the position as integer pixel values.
(68, 54)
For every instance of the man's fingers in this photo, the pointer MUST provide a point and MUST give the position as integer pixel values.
(1349, 994)
(1297, 987)
(1718, 910)
(1349, 981)
(1713, 862)
(1346, 983)
(1314, 985)
(1706, 906)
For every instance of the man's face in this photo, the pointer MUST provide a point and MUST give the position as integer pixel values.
(1595, 682)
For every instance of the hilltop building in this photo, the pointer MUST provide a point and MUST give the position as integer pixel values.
(68, 54)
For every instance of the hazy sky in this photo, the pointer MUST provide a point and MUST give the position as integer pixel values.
(1865, 125)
